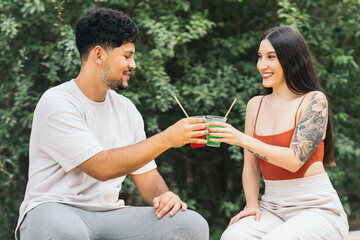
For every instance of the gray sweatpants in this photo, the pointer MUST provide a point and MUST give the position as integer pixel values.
(64, 222)
(303, 209)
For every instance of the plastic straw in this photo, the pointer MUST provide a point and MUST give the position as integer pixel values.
(180, 106)
(230, 108)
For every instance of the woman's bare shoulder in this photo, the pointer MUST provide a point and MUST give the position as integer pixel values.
(313, 98)
(314, 101)
(254, 102)
(253, 105)
(317, 94)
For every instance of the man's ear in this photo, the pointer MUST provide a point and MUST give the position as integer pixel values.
(98, 54)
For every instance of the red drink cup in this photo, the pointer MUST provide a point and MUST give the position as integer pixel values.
(197, 145)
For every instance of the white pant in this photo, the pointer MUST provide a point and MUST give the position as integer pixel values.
(304, 209)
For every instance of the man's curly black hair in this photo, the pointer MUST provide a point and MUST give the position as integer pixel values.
(104, 27)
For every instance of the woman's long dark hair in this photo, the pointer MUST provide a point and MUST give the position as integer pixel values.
(299, 71)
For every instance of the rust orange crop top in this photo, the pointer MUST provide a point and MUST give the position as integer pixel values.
(272, 172)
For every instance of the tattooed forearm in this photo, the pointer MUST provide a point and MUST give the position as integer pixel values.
(258, 155)
(311, 127)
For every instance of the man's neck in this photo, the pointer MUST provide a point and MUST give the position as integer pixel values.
(91, 85)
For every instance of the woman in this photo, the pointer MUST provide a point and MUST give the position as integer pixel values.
(288, 140)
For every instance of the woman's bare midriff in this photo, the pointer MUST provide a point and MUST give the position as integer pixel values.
(315, 169)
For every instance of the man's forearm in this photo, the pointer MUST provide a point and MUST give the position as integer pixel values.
(118, 162)
(122, 161)
(150, 185)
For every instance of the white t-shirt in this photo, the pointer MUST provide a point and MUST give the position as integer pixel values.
(68, 128)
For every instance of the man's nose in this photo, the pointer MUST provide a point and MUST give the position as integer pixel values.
(132, 64)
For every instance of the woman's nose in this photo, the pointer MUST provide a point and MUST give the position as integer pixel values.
(261, 64)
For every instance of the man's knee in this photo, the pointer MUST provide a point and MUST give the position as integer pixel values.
(52, 221)
(191, 225)
(58, 233)
(55, 232)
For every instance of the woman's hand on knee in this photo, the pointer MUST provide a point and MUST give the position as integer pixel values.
(248, 211)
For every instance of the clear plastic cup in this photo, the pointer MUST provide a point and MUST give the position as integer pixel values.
(213, 118)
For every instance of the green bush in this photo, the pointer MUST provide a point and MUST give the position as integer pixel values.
(203, 51)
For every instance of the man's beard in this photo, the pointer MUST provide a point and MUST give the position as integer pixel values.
(116, 84)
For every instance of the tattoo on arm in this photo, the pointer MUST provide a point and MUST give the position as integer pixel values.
(311, 127)
(258, 155)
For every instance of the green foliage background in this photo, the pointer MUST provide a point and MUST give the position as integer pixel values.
(205, 51)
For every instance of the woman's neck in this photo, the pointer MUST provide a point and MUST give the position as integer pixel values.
(284, 94)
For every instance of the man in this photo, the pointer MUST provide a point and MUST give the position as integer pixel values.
(86, 138)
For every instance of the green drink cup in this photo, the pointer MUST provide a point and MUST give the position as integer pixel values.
(212, 118)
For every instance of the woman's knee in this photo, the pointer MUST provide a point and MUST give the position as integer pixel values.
(235, 232)
(247, 228)
(228, 234)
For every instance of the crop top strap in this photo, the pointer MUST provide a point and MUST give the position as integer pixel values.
(258, 113)
(299, 107)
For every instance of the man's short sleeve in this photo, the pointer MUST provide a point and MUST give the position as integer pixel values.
(65, 137)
